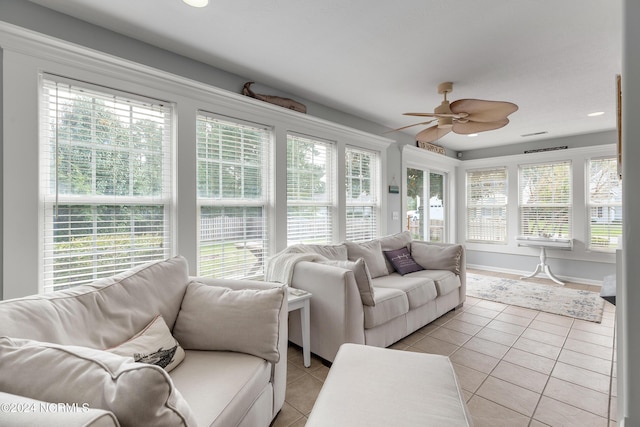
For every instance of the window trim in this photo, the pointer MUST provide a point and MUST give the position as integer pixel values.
(589, 205)
(50, 198)
(331, 201)
(263, 202)
(375, 179)
(559, 205)
(506, 204)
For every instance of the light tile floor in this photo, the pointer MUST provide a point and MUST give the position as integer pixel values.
(517, 367)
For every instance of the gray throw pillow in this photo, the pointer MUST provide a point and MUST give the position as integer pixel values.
(362, 275)
(218, 318)
(436, 257)
(371, 251)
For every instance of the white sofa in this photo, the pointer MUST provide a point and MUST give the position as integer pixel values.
(359, 297)
(63, 356)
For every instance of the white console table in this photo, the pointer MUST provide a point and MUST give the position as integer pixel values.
(544, 244)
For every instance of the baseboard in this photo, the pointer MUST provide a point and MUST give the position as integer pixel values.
(526, 273)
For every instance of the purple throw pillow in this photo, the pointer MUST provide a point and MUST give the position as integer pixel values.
(402, 261)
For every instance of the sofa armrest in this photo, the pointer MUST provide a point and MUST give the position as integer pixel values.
(279, 373)
(18, 410)
(337, 314)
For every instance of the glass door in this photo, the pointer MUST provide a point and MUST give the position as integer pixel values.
(425, 205)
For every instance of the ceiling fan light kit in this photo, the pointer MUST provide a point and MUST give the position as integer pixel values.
(196, 3)
(464, 116)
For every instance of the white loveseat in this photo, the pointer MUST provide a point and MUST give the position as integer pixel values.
(359, 297)
(60, 361)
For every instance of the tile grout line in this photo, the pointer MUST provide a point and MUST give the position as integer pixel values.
(555, 362)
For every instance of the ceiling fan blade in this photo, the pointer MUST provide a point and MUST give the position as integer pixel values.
(431, 115)
(431, 134)
(415, 124)
(480, 110)
(475, 127)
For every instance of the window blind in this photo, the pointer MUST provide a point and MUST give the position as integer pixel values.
(106, 181)
(545, 200)
(487, 205)
(310, 190)
(604, 205)
(362, 194)
(233, 195)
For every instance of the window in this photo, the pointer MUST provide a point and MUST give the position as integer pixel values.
(310, 190)
(604, 204)
(106, 183)
(545, 200)
(487, 205)
(362, 208)
(233, 195)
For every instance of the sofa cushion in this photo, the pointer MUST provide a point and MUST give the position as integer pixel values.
(362, 276)
(437, 257)
(371, 251)
(419, 290)
(390, 303)
(217, 318)
(73, 316)
(134, 392)
(393, 242)
(221, 386)
(444, 280)
(332, 252)
(154, 344)
(402, 261)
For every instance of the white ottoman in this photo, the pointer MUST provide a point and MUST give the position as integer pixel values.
(372, 386)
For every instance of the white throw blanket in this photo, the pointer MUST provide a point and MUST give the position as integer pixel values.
(279, 268)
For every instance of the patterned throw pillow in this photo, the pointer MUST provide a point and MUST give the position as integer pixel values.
(154, 344)
(402, 261)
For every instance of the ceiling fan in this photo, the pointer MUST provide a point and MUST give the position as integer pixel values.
(464, 116)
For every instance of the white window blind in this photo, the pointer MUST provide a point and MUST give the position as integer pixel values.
(363, 194)
(487, 205)
(604, 205)
(106, 181)
(545, 200)
(233, 195)
(310, 190)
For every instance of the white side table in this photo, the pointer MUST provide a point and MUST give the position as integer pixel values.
(543, 244)
(299, 300)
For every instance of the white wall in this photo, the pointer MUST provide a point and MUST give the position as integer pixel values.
(628, 315)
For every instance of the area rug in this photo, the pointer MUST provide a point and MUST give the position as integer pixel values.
(580, 304)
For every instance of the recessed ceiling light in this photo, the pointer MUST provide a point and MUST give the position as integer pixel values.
(471, 135)
(196, 3)
(597, 113)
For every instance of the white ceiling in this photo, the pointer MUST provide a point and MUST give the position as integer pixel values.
(377, 58)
